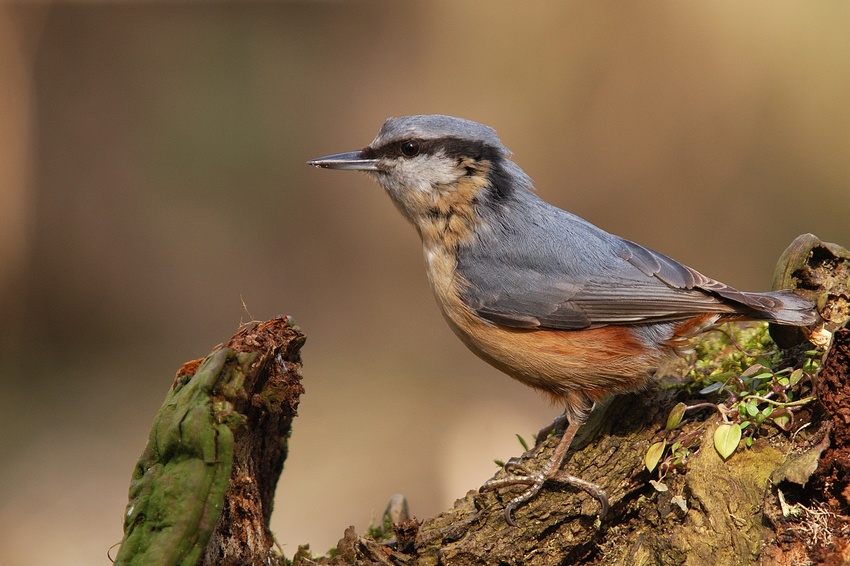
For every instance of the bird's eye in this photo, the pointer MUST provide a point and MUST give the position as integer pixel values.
(410, 148)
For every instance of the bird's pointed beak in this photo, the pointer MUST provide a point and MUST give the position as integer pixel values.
(350, 160)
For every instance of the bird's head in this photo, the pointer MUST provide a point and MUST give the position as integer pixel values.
(437, 169)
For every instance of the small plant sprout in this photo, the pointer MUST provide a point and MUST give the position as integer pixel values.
(732, 369)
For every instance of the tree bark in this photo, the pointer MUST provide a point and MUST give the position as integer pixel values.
(716, 512)
(203, 489)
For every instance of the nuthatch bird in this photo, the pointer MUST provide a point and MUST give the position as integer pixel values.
(541, 294)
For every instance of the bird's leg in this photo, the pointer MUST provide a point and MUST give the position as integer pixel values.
(551, 471)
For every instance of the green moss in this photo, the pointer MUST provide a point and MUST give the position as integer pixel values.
(722, 353)
(189, 451)
(382, 530)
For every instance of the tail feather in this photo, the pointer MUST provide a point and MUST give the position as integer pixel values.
(783, 307)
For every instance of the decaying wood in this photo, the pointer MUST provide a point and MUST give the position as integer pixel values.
(203, 489)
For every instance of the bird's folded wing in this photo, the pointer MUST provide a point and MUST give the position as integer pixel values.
(638, 285)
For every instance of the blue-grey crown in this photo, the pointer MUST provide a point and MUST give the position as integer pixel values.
(431, 126)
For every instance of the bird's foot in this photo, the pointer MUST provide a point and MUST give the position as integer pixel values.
(555, 427)
(535, 483)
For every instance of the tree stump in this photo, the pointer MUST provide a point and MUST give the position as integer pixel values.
(202, 492)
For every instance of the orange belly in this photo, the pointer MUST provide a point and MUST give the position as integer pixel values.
(573, 367)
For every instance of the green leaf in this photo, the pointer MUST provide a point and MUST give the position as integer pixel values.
(522, 442)
(653, 455)
(716, 386)
(726, 439)
(782, 420)
(674, 419)
(750, 371)
(796, 376)
(752, 408)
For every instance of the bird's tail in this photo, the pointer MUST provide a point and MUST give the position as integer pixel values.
(783, 307)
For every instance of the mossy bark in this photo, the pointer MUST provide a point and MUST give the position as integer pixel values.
(728, 511)
(716, 512)
(203, 489)
(722, 523)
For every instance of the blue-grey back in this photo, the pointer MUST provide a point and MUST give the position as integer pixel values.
(535, 265)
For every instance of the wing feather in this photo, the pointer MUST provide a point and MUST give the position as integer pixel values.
(587, 277)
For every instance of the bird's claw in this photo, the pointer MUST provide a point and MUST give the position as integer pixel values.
(509, 510)
(535, 483)
(514, 466)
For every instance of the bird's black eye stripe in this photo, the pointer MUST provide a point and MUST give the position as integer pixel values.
(410, 148)
(449, 146)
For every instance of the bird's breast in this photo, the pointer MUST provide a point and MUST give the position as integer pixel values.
(570, 365)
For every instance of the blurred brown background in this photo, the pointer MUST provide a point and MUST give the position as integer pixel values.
(152, 179)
